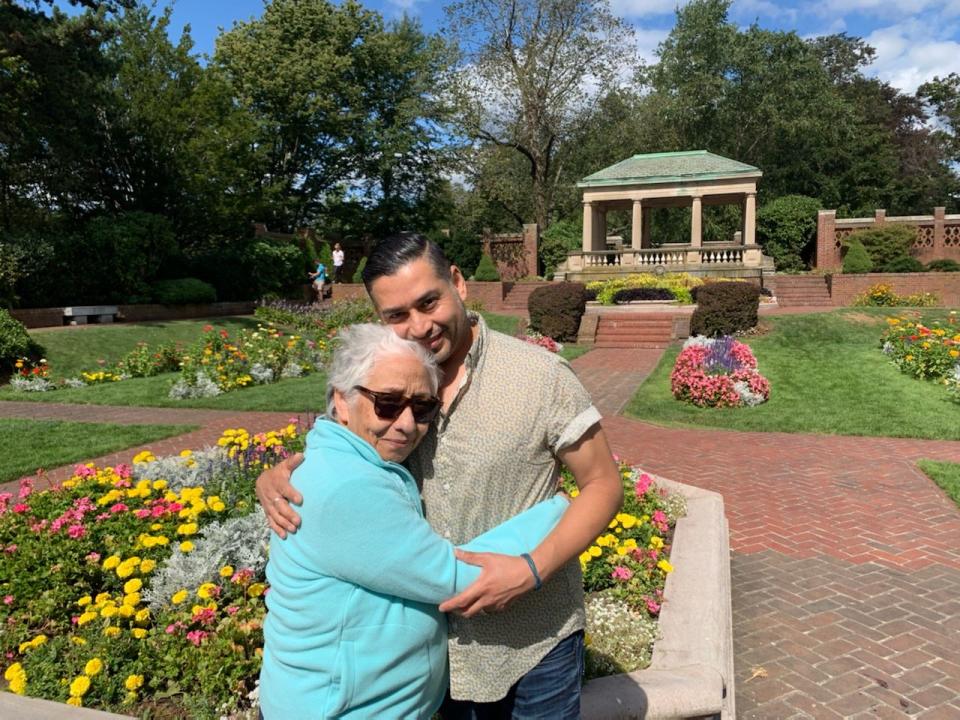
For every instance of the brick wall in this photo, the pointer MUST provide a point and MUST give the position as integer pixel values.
(946, 286)
(142, 313)
(39, 317)
(514, 255)
(491, 294)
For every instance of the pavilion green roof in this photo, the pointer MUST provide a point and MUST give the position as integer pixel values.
(667, 167)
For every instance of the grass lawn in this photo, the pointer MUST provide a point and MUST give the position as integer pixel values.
(944, 474)
(26, 445)
(827, 375)
(509, 324)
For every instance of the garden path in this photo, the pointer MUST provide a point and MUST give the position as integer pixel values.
(845, 558)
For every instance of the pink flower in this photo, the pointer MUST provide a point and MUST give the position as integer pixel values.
(8, 599)
(643, 484)
(142, 513)
(21, 508)
(76, 531)
(10, 549)
(232, 610)
(652, 605)
(93, 557)
(26, 487)
(197, 636)
(621, 573)
(119, 507)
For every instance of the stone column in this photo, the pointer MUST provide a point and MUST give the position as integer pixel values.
(696, 222)
(828, 255)
(750, 220)
(531, 247)
(601, 229)
(879, 216)
(939, 233)
(636, 226)
(587, 226)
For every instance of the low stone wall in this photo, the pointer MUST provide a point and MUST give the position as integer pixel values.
(692, 674)
(491, 294)
(53, 317)
(946, 286)
(27, 708)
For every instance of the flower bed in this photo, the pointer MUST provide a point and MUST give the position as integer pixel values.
(719, 372)
(928, 351)
(882, 295)
(679, 284)
(141, 588)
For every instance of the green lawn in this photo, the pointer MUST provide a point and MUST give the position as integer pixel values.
(944, 474)
(26, 445)
(827, 375)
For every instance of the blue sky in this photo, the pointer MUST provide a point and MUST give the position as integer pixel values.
(915, 39)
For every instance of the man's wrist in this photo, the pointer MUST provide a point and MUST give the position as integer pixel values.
(537, 582)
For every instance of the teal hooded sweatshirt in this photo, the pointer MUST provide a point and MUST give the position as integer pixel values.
(353, 629)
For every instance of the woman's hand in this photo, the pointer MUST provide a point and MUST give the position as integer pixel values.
(275, 494)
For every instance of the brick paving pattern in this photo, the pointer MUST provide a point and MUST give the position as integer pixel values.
(845, 557)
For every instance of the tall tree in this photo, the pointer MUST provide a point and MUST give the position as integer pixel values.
(527, 69)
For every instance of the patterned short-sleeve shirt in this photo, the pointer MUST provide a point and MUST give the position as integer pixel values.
(492, 455)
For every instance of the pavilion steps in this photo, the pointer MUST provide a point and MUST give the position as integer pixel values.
(515, 303)
(634, 330)
(802, 290)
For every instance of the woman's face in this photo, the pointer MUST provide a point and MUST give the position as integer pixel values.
(393, 439)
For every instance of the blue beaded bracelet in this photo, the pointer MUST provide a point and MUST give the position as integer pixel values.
(533, 569)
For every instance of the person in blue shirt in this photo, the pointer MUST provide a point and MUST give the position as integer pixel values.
(353, 628)
(319, 278)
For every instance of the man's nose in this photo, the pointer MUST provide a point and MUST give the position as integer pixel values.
(420, 326)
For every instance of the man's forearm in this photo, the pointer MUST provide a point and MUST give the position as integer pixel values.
(588, 516)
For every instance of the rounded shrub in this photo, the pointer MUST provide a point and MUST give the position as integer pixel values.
(886, 245)
(724, 308)
(14, 342)
(904, 265)
(358, 273)
(856, 261)
(787, 228)
(647, 293)
(486, 270)
(944, 265)
(183, 291)
(555, 310)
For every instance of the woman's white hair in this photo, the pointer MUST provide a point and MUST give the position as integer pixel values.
(358, 348)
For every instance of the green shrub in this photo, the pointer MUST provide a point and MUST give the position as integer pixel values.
(310, 254)
(645, 293)
(183, 291)
(358, 273)
(680, 284)
(856, 261)
(724, 308)
(14, 342)
(787, 229)
(943, 266)
(555, 310)
(558, 239)
(887, 245)
(486, 271)
(326, 257)
(904, 265)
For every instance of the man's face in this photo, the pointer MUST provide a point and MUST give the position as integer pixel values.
(420, 306)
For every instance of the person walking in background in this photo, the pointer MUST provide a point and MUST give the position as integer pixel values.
(319, 278)
(337, 263)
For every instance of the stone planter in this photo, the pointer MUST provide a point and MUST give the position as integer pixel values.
(27, 708)
(691, 675)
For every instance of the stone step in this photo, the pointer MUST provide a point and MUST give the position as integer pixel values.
(627, 344)
(635, 332)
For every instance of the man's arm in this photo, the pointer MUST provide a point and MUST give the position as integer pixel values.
(503, 578)
(276, 494)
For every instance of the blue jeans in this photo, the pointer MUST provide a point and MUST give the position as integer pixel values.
(550, 691)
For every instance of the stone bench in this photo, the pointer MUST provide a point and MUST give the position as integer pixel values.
(83, 314)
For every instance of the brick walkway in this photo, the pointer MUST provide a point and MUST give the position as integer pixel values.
(845, 558)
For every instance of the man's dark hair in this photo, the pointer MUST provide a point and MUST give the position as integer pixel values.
(392, 253)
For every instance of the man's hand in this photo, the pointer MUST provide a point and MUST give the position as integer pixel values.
(502, 580)
(275, 494)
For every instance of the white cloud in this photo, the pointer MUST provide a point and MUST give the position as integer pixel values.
(647, 42)
(908, 55)
(643, 8)
(751, 9)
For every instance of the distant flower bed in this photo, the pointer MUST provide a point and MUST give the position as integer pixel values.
(140, 587)
(928, 351)
(535, 338)
(882, 295)
(719, 372)
(678, 285)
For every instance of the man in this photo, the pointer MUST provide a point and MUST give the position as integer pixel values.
(511, 413)
(338, 259)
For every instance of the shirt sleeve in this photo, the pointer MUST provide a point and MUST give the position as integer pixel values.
(569, 411)
(366, 531)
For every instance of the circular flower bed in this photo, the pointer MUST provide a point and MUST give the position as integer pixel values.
(718, 373)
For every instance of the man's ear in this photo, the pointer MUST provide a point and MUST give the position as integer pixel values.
(458, 281)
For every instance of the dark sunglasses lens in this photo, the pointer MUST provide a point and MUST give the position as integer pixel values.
(388, 408)
(424, 411)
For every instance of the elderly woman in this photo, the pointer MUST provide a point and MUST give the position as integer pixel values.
(353, 628)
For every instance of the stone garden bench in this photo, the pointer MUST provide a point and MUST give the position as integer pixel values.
(83, 314)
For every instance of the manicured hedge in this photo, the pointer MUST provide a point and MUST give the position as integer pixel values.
(486, 271)
(183, 291)
(555, 310)
(643, 293)
(14, 342)
(724, 308)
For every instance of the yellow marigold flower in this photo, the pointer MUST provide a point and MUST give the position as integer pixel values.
(84, 601)
(187, 529)
(139, 633)
(627, 520)
(86, 617)
(102, 598)
(954, 353)
(594, 551)
(109, 611)
(131, 586)
(622, 550)
(179, 597)
(256, 590)
(147, 565)
(218, 506)
(575, 492)
(613, 523)
(665, 566)
(126, 611)
(124, 570)
(80, 686)
(133, 682)
(111, 631)
(204, 591)
(656, 542)
(186, 546)
(159, 484)
(143, 615)
(75, 701)
(93, 666)
(77, 640)
(11, 672)
(630, 544)
(111, 562)
(226, 571)
(585, 557)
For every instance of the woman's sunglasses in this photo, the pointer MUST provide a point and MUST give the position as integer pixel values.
(389, 405)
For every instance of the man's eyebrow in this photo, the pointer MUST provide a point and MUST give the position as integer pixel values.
(420, 300)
